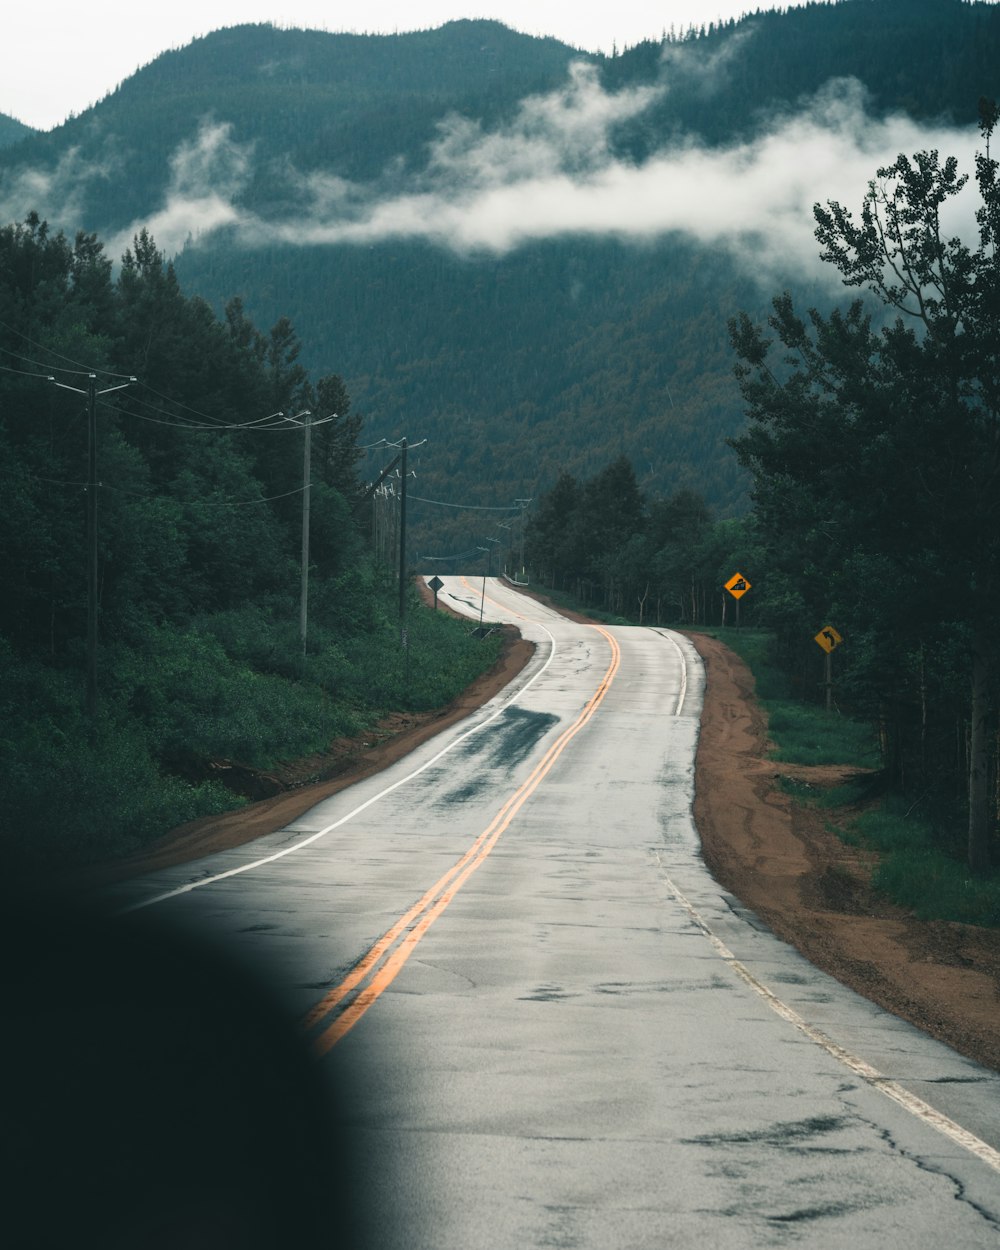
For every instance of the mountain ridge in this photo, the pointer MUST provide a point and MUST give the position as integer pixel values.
(555, 352)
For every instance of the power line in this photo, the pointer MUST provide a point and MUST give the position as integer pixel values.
(462, 555)
(214, 496)
(25, 373)
(76, 373)
(86, 369)
(275, 421)
(468, 507)
(148, 494)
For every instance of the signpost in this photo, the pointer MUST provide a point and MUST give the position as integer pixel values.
(829, 640)
(737, 587)
(435, 584)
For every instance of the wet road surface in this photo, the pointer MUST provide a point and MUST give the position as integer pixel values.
(550, 1027)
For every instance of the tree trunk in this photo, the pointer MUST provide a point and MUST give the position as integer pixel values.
(980, 808)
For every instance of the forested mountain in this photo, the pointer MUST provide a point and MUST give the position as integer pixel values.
(289, 167)
(304, 99)
(12, 131)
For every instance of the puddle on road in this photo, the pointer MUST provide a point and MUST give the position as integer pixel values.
(512, 738)
(507, 744)
(797, 1136)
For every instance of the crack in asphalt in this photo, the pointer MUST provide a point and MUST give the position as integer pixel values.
(924, 1165)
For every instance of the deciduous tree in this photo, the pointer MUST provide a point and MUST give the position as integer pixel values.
(877, 445)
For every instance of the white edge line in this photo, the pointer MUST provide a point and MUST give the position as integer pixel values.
(884, 1084)
(669, 636)
(297, 846)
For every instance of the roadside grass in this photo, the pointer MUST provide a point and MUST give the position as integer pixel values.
(810, 735)
(917, 873)
(802, 733)
(826, 798)
(920, 862)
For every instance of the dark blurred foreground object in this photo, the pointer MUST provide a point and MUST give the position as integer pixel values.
(154, 1095)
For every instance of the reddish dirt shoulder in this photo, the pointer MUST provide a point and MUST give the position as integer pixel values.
(779, 858)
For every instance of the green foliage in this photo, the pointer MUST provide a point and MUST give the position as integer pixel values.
(891, 530)
(805, 734)
(826, 797)
(71, 792)
(756, 647)
(915, 872)
(625, 559)
(199, 506)
(12, 131)
(198, 702)
(802, 732)
(920, 860)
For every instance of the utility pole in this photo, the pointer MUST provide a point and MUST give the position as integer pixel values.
(524, 507)
(482, 604)
(489, 565)
(306, 492)
(92, 563)
(402, 542)
(92, 581)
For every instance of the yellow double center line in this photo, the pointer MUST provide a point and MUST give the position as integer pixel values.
(380, 966)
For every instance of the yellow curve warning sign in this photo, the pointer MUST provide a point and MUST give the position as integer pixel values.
(828, 638)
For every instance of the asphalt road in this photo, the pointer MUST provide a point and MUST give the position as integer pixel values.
(548, 1026)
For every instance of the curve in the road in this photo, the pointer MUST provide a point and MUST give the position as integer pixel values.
(383, 962)
(315, 837)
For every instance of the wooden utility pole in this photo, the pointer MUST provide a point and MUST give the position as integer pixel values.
(92, 583)
(92, 561)
(306, 492)
(402, 541)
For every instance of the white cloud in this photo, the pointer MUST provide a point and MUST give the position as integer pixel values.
(207, 176)
(56, 194)
(568, 130)
(551, 172)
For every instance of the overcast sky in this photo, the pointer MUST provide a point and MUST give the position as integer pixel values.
(69, 54)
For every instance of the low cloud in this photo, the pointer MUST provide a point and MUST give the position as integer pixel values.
(207, 177)
(567, 131)
(553, 174)
(58, 193)
(553, 171)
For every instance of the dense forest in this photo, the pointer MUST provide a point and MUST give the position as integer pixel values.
(492, 358)
(12, 131)
(156, 628)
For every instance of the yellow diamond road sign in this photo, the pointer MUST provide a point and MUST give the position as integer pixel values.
(737, 585)
(828, 638)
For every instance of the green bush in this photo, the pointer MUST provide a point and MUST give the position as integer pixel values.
(805, 734)
(916, 872)
(69, 795)
(233, 685)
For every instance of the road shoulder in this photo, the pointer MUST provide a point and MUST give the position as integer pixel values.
(780, 859)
